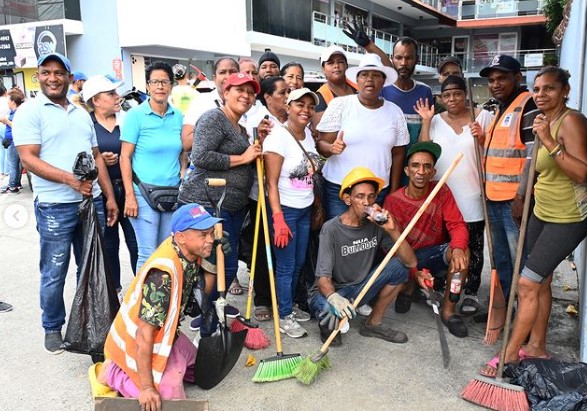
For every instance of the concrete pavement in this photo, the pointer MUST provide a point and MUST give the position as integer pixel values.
(367, 373)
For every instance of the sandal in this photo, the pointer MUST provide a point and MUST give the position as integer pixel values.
(235, 288)
(456, 326)
(490, 369)
(470, 305)
(262, 313)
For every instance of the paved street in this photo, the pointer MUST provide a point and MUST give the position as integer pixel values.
(367, 374)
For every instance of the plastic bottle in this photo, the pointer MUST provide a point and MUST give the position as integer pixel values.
(377, 216)
(455, 288)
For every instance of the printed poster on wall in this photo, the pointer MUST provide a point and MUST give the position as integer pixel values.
(20, 47)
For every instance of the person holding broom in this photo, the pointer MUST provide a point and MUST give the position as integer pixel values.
(147, 357)
(348, 248)
(559, 219)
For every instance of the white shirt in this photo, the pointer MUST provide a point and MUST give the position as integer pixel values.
(369, 135)
(464, 181)
(296, 188)
(201, 103)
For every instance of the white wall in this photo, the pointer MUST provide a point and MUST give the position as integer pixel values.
(217, 26)
(94, 51)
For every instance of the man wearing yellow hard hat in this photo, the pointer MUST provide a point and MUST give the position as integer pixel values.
(348, 246)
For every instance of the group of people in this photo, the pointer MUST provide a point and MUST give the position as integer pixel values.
(376, 137)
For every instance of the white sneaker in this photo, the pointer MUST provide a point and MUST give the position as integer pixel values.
(300, 314)
(290, 326)
(364, 310)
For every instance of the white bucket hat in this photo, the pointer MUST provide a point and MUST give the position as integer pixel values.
(373, 62)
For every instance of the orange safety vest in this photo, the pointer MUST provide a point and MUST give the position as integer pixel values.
(505, 153)
(121, 345)
(328, 95)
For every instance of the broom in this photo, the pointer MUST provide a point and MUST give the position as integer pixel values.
(315, 363)
(496, 309)
(256, 337)
(281, 366)
(498, 394)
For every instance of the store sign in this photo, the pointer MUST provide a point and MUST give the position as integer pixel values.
(533, 60)
(20, 47)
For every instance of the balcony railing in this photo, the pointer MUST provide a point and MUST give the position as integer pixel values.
(529, 59)
(487, 9)
(327, 30)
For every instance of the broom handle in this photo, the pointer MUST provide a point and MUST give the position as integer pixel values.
(255, 244)
(480, 174)
(518, 261)
(395, 247)
(268, 252)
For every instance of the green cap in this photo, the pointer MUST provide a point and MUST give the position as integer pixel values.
(427, 146)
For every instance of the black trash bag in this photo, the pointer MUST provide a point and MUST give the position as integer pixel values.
(96, 302)
(552, 385)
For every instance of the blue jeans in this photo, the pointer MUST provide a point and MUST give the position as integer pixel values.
(59, 228)
(394, 273)
(232, 224)
(505, 234)
(14, 168)
(151, 228)
(335, 206)
(112, 238)
(290, 259)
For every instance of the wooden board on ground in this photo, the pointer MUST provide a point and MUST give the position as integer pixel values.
(128, 404)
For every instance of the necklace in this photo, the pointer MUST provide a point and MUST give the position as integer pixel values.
(296, 135)
(558, 114)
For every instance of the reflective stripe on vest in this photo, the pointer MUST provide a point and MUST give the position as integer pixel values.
(121, 344)
(505, 153)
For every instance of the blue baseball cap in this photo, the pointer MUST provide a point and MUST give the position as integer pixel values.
(55, 56)
(78, 75)
(192, 216)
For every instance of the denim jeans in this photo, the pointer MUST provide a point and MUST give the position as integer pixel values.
(394, 273)
(14, 168)
(232, 224)
(290, 259)
(59, 228)
(151, 228)
(505, 234)
(335, 206)
(112, 238)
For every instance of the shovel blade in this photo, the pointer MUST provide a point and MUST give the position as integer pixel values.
(217, 356)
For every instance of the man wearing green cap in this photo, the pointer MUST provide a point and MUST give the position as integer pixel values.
(440, 238)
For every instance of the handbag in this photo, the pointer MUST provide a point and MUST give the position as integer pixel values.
(318, 215)
(160, 198)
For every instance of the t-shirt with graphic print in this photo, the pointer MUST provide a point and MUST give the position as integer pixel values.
(346, 254)
(296, 188)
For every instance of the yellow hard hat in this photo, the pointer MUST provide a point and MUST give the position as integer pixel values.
(358, 175)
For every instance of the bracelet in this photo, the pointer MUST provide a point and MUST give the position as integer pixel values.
(555, 150)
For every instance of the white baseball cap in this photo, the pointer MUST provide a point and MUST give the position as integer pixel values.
(329, 51)
(98, 84)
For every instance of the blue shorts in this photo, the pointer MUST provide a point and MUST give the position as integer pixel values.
(434, 258)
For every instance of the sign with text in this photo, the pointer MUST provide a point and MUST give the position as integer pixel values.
(20, 47)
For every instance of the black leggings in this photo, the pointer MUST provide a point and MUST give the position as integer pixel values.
(476, 244)
(549, 244)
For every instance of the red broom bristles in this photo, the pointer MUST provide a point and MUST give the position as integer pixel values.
(496, 395)
(256, 337)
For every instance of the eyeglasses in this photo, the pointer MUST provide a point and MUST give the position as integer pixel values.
(156, 83)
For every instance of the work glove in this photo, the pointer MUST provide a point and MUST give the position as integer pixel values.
(340, 306)
(282, 233)
(356, 31)
(330, 320)
(224, 241)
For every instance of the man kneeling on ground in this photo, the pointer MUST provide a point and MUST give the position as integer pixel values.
(442, 221)
(348, 247)
(147, 356)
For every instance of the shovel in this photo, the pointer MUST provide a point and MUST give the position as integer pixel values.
(218, 354)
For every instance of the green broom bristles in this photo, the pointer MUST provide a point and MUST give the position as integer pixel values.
(277, 368)
(311, 366)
